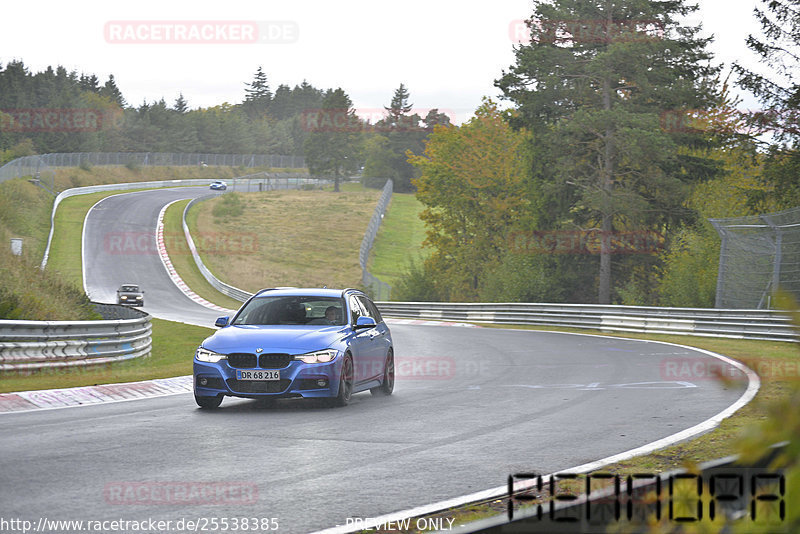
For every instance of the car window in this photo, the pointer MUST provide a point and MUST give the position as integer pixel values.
(372, 310)
(290, 310)
(355, 310)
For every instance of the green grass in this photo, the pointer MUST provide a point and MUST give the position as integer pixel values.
(67, 237)
(25, 213)
(183, 262)
(286, 237)
(173, 349)
(399, 240)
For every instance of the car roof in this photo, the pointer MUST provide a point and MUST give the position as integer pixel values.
(302, 292)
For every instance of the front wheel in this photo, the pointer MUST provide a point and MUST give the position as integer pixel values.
(345, 384)
(387, 387)
(208, 403)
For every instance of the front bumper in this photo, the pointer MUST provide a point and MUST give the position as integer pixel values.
(298, 379)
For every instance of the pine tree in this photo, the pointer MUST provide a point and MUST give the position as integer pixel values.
(332, 146)
(399, 105)
(257, 95)
(779, 92)
(111, 91)
(592, 85)
(181, 105)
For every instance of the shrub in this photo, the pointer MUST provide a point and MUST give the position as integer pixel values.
(228, 206)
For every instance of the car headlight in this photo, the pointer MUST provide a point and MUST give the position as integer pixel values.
(319, 356)
(205, 355)
(139, 298)
(123, 297)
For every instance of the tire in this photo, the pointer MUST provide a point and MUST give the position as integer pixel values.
(345, 384)
(387, 387)
(208, 403)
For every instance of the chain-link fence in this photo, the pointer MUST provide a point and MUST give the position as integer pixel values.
(379, 290)
(41, 166)
(758, 255)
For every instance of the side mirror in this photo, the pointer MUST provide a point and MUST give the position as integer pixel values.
(365, 322)
(221, 321)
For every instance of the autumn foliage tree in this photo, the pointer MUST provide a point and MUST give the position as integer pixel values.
(472, 186)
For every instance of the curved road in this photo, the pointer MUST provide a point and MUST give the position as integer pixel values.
(471, 406)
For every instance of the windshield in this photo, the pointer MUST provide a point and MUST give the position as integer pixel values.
(130, 289)
(292, 310)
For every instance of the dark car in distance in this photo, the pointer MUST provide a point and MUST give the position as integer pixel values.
(130, 294)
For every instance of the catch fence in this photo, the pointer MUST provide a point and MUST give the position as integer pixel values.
(759, 255)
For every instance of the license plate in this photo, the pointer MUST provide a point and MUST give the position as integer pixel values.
(258, 375)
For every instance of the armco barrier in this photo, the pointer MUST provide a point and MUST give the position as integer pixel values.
(216, 283)
(710, 322)
(33, 345)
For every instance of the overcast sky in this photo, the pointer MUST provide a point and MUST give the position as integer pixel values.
(447, 52)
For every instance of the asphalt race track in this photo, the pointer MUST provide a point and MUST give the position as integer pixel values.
(471, 406)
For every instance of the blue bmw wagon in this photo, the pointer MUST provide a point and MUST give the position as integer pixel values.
(288, 342)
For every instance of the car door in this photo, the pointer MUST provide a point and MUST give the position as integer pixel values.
(360, 345)
(377, 344)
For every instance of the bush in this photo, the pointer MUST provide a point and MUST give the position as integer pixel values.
(416, 285)
(691, 266)
(85, 165)
(228, 206)
(133, 165)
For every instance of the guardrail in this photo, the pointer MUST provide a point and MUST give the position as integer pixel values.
(379, 289)
(33, 345)
(710, 322)
(216, 283)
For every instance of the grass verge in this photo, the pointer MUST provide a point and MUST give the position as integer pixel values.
(68, 236)
(284, 238)
(182, 260)
(173, 349)
(399, 240)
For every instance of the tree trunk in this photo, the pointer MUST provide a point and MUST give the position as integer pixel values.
(607, 224)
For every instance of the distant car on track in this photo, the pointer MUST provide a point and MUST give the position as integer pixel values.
(219, 185)
(313, 343)
(130, 294)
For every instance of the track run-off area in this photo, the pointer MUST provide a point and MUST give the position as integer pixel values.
(471, 406)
